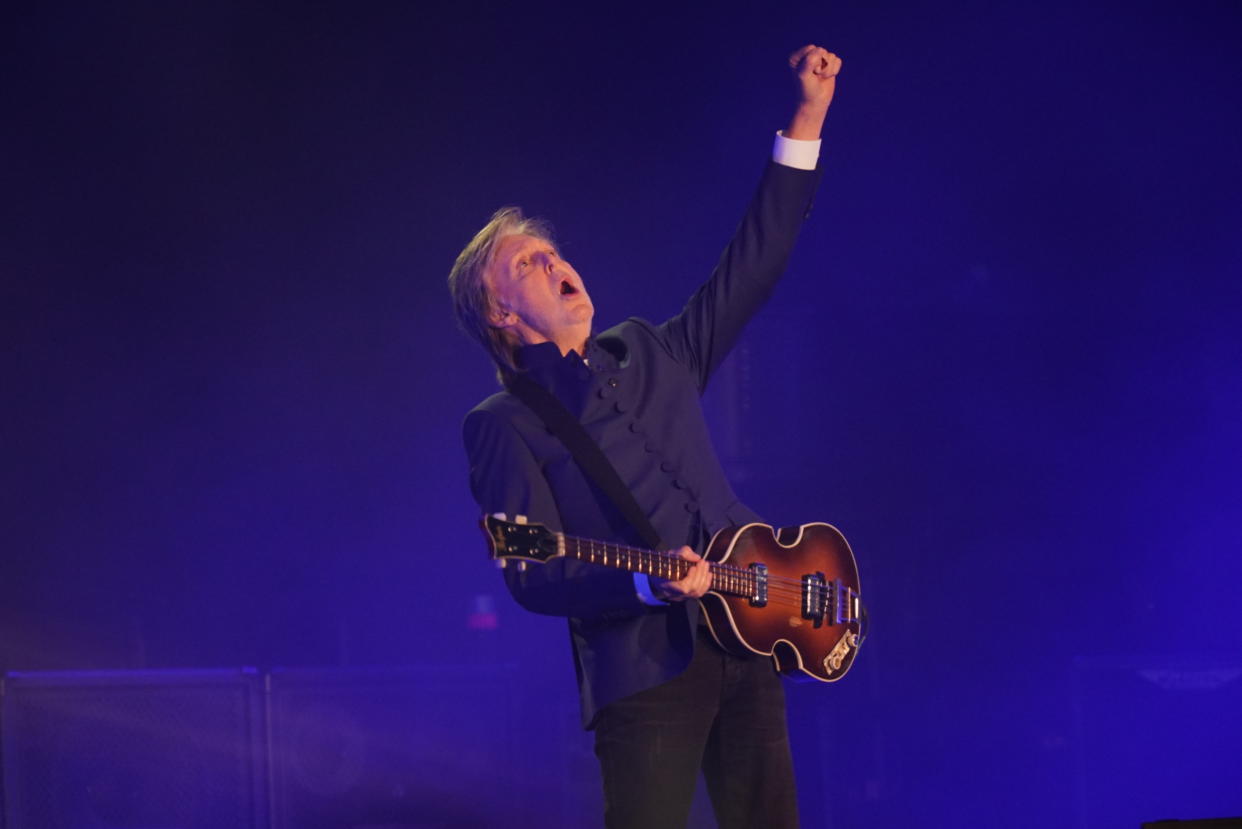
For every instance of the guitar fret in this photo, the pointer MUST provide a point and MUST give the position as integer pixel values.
(725, 578)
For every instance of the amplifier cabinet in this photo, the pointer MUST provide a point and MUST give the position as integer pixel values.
(134, 749)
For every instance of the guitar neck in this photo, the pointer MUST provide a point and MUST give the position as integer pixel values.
(725, 577)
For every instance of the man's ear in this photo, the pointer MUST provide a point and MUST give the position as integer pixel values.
(499, 317)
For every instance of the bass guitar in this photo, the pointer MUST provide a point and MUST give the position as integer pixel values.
(791, 594)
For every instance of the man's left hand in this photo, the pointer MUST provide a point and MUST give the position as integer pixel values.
(693, 585)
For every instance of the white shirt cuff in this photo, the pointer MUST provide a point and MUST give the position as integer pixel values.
(801, 155)
(643, 585)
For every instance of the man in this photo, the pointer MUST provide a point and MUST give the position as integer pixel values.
(662, 697)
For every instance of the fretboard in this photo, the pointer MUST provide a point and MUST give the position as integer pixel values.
(725, 577)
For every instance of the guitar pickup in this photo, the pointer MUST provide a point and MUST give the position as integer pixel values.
(815, 597)
(759, 572)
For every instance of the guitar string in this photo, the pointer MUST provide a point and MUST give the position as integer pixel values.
(722, 573)
(732, 580)
(790, 591)
(676, 561)
(596, 551)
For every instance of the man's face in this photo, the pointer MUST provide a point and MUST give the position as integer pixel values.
(536, 295)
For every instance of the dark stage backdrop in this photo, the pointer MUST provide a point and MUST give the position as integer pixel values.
(1005, 360)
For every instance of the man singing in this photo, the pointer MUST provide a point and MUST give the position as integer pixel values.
(663, 698)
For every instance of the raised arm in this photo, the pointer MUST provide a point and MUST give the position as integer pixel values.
(752, 263)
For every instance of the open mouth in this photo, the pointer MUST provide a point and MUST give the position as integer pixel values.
(567, 289)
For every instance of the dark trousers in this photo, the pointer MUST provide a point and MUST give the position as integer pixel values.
(726, 715)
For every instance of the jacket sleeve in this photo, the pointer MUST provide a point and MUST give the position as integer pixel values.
(752, 263)
(506, 477)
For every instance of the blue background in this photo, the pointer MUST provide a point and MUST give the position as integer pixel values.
(1005, 360)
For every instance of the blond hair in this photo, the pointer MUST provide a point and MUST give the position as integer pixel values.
(472, 304)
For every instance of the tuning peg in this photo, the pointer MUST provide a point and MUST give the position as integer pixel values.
(519, 519)
(500, 516)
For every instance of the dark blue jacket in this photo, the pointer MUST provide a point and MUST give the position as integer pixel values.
(637, 394)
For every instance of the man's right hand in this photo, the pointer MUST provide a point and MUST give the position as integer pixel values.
(816, 71)
(693, 585)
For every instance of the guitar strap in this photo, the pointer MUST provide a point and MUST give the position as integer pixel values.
(586, 452)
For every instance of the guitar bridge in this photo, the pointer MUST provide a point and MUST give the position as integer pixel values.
(845, 604)
(759, 597)
(829, 601)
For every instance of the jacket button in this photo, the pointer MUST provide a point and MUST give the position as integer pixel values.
(620, 406)
(692, 506)
(667, 466)
(636, 427)
(650, 447)
(605, 393)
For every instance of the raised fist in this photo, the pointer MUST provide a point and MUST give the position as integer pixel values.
(816, 69)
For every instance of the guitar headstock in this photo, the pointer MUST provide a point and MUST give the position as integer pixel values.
(518, 539)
